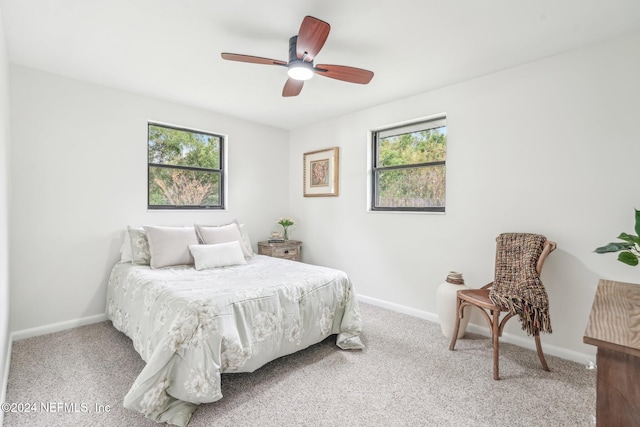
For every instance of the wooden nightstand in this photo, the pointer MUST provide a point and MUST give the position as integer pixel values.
(287, 250)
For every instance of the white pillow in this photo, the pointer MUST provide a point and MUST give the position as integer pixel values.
(219, 255)
(126, 255)
(245, 238)
(170, 245)
(222, 234)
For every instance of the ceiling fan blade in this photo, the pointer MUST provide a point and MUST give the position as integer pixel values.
(311, 37)
(292, 87)
(251, 59)
(347, 74)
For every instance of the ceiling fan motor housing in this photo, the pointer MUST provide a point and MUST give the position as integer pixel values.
(293, 51)
(299, 69)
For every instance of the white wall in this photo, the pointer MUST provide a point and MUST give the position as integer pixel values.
(4, 195)
(551, 147)
(78, 173)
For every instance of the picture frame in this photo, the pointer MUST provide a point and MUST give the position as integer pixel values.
(321, 173)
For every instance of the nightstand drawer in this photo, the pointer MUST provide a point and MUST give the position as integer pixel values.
(286, 252)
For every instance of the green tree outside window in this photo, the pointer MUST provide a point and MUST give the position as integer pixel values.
(185, 168)
(409, 168)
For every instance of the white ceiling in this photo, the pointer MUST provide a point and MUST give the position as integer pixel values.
(170, 49)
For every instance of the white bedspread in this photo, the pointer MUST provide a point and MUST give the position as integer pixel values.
(190, 326)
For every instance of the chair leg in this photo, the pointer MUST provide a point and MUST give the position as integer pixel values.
(495, 335)
(454, 333)
(540, 353)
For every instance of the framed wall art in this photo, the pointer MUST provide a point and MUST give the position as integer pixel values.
(321, 173)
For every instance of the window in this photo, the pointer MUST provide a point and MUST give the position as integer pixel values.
(408, 167)
(186, 169)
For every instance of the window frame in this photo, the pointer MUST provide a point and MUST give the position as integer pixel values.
(375, 169)
(221, 171)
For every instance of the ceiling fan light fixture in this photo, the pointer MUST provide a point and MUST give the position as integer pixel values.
(300, 70)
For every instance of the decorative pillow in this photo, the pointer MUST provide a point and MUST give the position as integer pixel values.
(218, 255)
(211, 235)
(170, 245)
(139, 246)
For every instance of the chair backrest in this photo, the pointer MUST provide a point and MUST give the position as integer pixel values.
(549, 247)
(518, 254)
(517, 286)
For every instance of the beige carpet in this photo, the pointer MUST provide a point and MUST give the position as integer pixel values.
(405, 377)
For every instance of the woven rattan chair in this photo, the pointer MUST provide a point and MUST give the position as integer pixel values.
(519, 257)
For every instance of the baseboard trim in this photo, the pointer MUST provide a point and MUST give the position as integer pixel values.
(526, 342)
(5, 379)
(57, 327)
(399, 308)
(550, 349)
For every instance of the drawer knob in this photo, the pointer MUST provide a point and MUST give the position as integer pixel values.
(286, 252)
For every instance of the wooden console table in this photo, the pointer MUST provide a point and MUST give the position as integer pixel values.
(614, 327)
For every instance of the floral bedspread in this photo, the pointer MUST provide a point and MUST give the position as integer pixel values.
(190, 326)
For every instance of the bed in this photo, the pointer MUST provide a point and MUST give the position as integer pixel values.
(191, 325)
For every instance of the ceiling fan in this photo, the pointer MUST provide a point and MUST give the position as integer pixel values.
(303, 48)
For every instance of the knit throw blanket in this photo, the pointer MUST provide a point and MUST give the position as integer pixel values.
(517, 286)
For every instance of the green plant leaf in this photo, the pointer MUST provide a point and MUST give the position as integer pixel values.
(614, 247)
(628, 258)
(637, 222)
(629, 238)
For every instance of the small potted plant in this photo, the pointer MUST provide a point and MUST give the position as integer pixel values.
(286, 223)
(629, 248)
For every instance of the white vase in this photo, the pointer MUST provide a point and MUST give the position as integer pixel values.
(446, 303)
